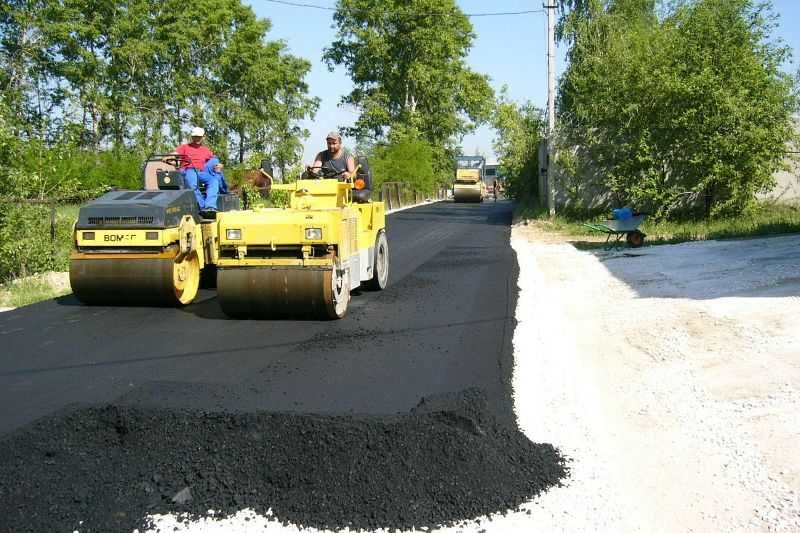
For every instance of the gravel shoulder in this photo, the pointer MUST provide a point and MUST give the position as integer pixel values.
(670, 375)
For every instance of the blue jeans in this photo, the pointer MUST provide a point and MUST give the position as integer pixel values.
(192, 178)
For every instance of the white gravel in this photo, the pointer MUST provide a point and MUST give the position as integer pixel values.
(670, 376)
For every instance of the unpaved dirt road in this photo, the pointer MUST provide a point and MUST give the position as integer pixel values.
(671, 376)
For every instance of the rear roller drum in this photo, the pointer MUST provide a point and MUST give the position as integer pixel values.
(135, 280)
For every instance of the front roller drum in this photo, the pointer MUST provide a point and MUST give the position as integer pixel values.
(132, 279)
(283, 291)
(467, 195)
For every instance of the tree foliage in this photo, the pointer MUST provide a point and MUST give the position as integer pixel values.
(686, 105)
(406, 158)
(520, 130)
(136, 73)
(407, 62)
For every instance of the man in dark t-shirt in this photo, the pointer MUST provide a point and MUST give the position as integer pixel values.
(335, 158)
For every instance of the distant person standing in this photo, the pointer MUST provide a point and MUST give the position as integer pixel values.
(195, 156)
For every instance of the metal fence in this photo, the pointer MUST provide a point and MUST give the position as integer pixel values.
(395, 194)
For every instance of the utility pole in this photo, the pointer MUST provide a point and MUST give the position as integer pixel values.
(551, 103)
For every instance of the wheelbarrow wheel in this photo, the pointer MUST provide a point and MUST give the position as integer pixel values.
(635, 238)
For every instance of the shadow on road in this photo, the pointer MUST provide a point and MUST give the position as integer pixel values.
(760, 267)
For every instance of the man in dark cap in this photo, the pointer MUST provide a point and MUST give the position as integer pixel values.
(335, 158)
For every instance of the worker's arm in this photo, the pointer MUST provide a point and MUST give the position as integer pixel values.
(351, 167)
(314, 167)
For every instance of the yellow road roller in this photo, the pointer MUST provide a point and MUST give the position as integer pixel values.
(469, 185)
(144, 247)
(303, 259)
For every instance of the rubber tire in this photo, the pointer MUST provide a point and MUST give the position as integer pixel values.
(380, 272)
(336, 308)
(635, 239)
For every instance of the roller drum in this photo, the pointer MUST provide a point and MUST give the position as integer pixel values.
(467, 195)
(282, 291)
(157, 281)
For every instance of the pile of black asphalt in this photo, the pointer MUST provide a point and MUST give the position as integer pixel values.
(106, 468)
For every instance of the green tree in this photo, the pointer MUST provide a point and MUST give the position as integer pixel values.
(688, 108)
(267, 96)
(407, 61)
(406, 158)
(520, 130)
(134, 74)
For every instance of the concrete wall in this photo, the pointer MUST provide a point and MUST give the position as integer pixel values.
(787, 188)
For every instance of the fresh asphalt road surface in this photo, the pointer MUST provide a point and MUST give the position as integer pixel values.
(443, 324)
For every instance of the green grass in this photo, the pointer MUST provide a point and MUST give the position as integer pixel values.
(26, 291)
(769, 219)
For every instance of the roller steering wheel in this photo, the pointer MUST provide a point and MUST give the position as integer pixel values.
(325, 173)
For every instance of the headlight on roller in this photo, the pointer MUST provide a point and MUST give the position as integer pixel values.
(233, 234)
(313, 234)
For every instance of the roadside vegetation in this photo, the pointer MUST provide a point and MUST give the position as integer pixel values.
(679, 109)
(764, 220)
(87, 91)
(410, 116)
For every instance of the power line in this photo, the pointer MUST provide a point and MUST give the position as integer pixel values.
(440, 14)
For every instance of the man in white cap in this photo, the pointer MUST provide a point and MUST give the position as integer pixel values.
(195, 156)
(335, 158)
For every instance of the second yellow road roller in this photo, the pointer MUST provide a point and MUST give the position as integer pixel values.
(305, 258)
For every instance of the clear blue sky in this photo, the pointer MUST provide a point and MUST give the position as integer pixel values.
(509, 49)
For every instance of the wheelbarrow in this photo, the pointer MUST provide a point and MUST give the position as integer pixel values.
(617, 229)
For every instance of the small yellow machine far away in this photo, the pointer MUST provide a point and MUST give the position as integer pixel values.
(469, 183)
(154, 247)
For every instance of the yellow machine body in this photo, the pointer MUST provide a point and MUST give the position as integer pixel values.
(469, 185)
(158, 266)
(305, 258)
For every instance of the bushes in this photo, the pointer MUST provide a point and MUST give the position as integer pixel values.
(61, 173)
(684, 108)
(407, 158)
(29, 243)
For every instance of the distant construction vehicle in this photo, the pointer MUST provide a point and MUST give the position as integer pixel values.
(150, 247)
(469, 185)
